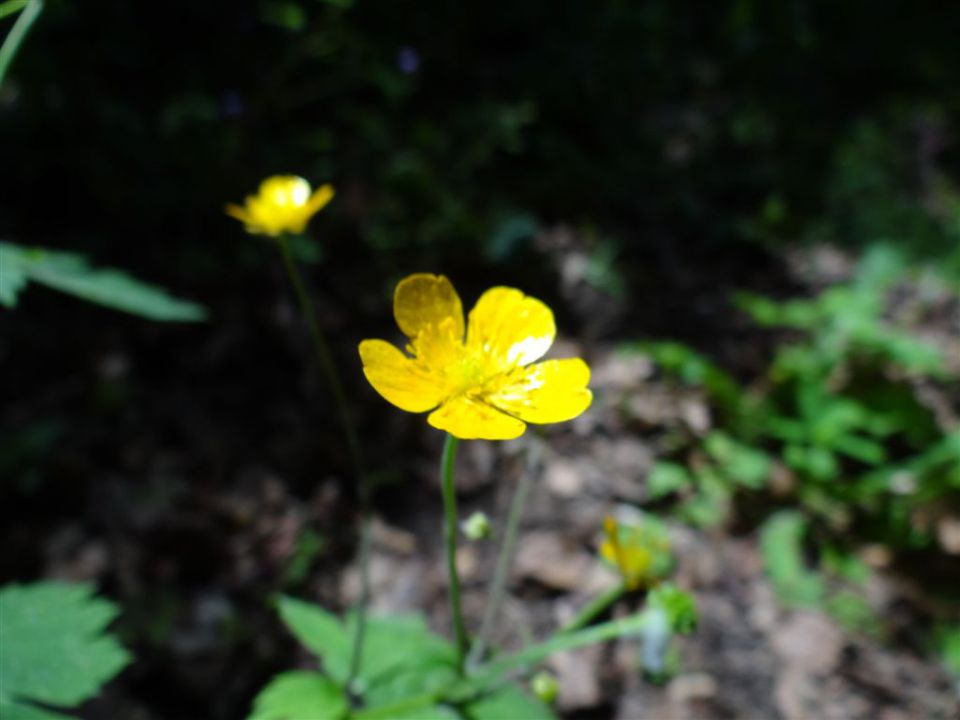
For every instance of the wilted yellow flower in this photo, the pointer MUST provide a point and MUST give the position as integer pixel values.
(478, 379)
(283, 204)
(640, 554)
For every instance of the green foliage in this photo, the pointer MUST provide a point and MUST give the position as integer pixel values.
(798, 584)
(300, 695)
(836, 409)
(667, 477)
(781, 542)
(408, 672)
(692, 368)
(680, 607)
(505, 703)
(55, 651)
(11, 6)
(72, 274)
(669, 612)
(948, 640)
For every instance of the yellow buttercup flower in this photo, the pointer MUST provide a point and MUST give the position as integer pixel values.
(479, 377)
(640, 554)
(283, 204)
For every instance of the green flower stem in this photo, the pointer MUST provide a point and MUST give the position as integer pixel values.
(593, 608)
(505, 559)
(29, 14)
(450, 538)
(328, 366)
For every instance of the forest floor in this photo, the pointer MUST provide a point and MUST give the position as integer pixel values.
(194, 475)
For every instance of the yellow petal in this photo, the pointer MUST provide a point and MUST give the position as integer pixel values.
(404, 382)
(470, 419)
(285, 191)
(423, 301)
(510, 328)
(548, 392)
(320, 198)
(235, 211)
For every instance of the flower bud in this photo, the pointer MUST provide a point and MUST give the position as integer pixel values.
(477, 526)
(545, 686)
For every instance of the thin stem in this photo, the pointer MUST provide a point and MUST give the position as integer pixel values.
(328, 366)
(18, 32)
(450, 538)
(505, 559)
(593, 608)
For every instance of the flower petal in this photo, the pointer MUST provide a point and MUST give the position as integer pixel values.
(510, 328)
(548, 392)
(404, 382)
(423, 301)
(321, 196)
(470, 419)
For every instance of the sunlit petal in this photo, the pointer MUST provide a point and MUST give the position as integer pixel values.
(470, 419)
(320, 198)
(423, 301)
(548, 392)
(510, 328)
(402, 381)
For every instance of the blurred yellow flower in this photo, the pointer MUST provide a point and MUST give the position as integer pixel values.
(640, 554)
(283, 204)
(478, 377)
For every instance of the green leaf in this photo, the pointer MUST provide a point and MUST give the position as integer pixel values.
(416, 679)
(390, 644)
(54, 648)
(320, 631)
(437, 712)
(740, 463)
(300, 695)
(397, 643)
(12, 710)
(10, 7)
(13, 278)
(665, 478)
(781, 542)
(72, 274)
(508, 703)
(679, 606)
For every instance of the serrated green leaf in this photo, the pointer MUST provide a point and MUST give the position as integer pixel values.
(300, 695)
(508, 703)
(54, 647)
(72, 274)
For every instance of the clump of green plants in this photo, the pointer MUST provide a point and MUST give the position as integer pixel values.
(836, 427)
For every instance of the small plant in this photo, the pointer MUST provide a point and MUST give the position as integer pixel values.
(480, 379)
(54, 652)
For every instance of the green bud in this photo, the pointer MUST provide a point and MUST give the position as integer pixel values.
(477, 526)
(545, 686)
